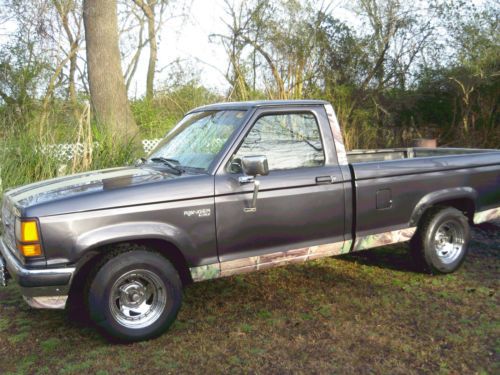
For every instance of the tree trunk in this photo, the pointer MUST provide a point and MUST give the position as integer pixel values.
(106, 82)
(71, 76)
(64, 10)
(153, 53)
(282, 93)
(148, 8)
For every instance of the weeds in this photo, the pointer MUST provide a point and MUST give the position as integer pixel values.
(24, 153)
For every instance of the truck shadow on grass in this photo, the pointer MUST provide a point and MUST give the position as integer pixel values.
(485, 243)
(393, 257)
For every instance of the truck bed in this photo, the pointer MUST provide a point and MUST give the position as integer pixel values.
(392, 185)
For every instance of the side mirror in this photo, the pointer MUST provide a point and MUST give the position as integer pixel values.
(255, 165)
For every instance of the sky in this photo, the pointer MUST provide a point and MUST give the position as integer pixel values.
(189, 39)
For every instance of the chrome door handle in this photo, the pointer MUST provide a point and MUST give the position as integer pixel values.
(246, 179)
(325, 179)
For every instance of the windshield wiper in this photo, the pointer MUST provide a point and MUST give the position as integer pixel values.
(169, 163)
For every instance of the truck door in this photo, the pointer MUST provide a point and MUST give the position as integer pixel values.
(299, 204)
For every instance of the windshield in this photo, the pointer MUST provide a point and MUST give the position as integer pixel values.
(198, 138)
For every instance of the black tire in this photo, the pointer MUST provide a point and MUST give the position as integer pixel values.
(441, 242)
(124, 275)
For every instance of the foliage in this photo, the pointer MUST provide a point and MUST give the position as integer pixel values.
(23, 159)
(378, 75)
(157, 116)
(21, 73)
(20, 155)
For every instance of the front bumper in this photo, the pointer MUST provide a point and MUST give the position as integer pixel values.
(41, 288)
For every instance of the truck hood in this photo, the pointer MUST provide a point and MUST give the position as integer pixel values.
(68, 187)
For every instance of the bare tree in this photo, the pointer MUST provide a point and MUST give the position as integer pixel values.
(149, 7)
(106, 82)
(142, 22)
(235, 73)
(395, 33)
(133, 24)
(69, 12)
(278, 41)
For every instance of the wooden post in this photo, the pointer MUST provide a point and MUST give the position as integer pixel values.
(424, 142)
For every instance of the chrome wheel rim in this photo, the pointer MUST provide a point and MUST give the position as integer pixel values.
(449, 242)
(137, 299)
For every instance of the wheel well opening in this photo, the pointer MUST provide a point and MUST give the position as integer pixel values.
(465, 205)
(173, 254)
(92, 258)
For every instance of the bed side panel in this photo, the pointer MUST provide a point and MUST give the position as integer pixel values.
(411, 181)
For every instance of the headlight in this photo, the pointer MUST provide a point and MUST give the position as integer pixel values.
(28, 237)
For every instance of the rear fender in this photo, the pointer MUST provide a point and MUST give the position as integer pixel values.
(441, 196)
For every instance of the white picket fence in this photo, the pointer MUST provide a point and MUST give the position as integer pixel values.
(149, 144)
(65, 152)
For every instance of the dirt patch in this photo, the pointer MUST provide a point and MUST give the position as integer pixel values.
(365, 313)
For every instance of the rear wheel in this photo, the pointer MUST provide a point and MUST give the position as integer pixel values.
(441, 241)
(135, 295)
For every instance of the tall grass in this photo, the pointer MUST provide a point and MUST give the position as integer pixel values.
(24, 157)
(22, 160)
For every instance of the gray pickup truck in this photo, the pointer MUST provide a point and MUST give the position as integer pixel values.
(234, 188)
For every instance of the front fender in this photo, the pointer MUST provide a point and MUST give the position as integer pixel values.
(440, 196)
(130, 231)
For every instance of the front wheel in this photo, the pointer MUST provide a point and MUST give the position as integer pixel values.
(442, 240)
(135, 295)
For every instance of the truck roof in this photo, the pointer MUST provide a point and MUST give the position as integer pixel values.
(257, 103)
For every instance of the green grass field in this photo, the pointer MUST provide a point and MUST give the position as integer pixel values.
(365, 313)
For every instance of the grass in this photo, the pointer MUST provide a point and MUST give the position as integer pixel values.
(21, 140)
(363, 313)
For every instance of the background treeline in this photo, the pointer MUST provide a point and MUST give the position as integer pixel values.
(398, 70)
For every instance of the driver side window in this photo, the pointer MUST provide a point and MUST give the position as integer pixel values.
(289, 141)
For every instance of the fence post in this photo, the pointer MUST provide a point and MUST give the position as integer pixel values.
(423, 142)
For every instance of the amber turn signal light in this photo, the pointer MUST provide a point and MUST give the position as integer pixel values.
(28, 238)
(33, 250)
(29, 231)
